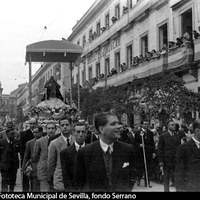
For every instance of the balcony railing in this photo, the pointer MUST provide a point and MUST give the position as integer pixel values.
(197, 49)
(174, 59)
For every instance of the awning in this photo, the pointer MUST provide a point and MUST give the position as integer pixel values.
(53, 51)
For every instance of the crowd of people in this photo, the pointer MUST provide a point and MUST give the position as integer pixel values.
(107, 156)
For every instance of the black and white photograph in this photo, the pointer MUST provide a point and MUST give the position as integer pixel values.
(99, 99)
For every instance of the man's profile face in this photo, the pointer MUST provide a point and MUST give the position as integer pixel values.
(111, 131)
(171, 126)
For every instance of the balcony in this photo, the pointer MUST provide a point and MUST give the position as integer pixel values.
(142, 70)
(197, 49)
(179, 59)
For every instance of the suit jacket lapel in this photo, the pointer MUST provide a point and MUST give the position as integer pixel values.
(61, 143)
(116, 155)
(72, 140)
(194, 147)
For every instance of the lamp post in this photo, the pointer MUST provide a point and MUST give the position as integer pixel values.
(66, 75)
(71, 67)
(78, 83)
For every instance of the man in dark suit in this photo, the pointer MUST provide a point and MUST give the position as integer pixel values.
(167, 146)
(68, 156)
(146, 152)
(9, 162)
(107, 164)
(187, 172)
(25, 136)
(92, 135)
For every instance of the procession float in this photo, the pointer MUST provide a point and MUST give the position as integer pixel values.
(52, 105)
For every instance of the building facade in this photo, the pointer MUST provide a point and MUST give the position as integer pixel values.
(7, 106)
(115, 33)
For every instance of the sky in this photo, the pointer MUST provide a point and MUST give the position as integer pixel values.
(22, 22)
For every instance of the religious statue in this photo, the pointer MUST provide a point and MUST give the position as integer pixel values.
(52, 90)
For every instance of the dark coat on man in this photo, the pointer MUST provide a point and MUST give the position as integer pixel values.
(90, 169)
(25, 136)
(53, 138)
(28, 155)
(167, 147)
(91, 137)
(9, 154)
(187, 173)
(67, 159)
(9, 163)
(148, 143)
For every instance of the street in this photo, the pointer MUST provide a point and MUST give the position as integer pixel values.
(155, 186)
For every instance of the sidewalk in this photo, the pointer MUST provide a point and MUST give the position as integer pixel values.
(156, 187)
(18, 187)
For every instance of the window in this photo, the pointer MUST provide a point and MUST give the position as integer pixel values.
(78, 43)
(129, 55)
(84, 73)
(186, 19)
(117, 11)
(144, 44)
(107, 66)
(84, 40)
(130, 3)
(107, 20)
(163, 35)
(117, 61)
(83, 77)
(90, 73)
(98, 70)
(98, 28)
(77, 79)
(90, 34)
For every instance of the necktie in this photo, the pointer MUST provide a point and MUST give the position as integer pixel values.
(108, 152)
(68, 143)
(108, 164)
(197, 144)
